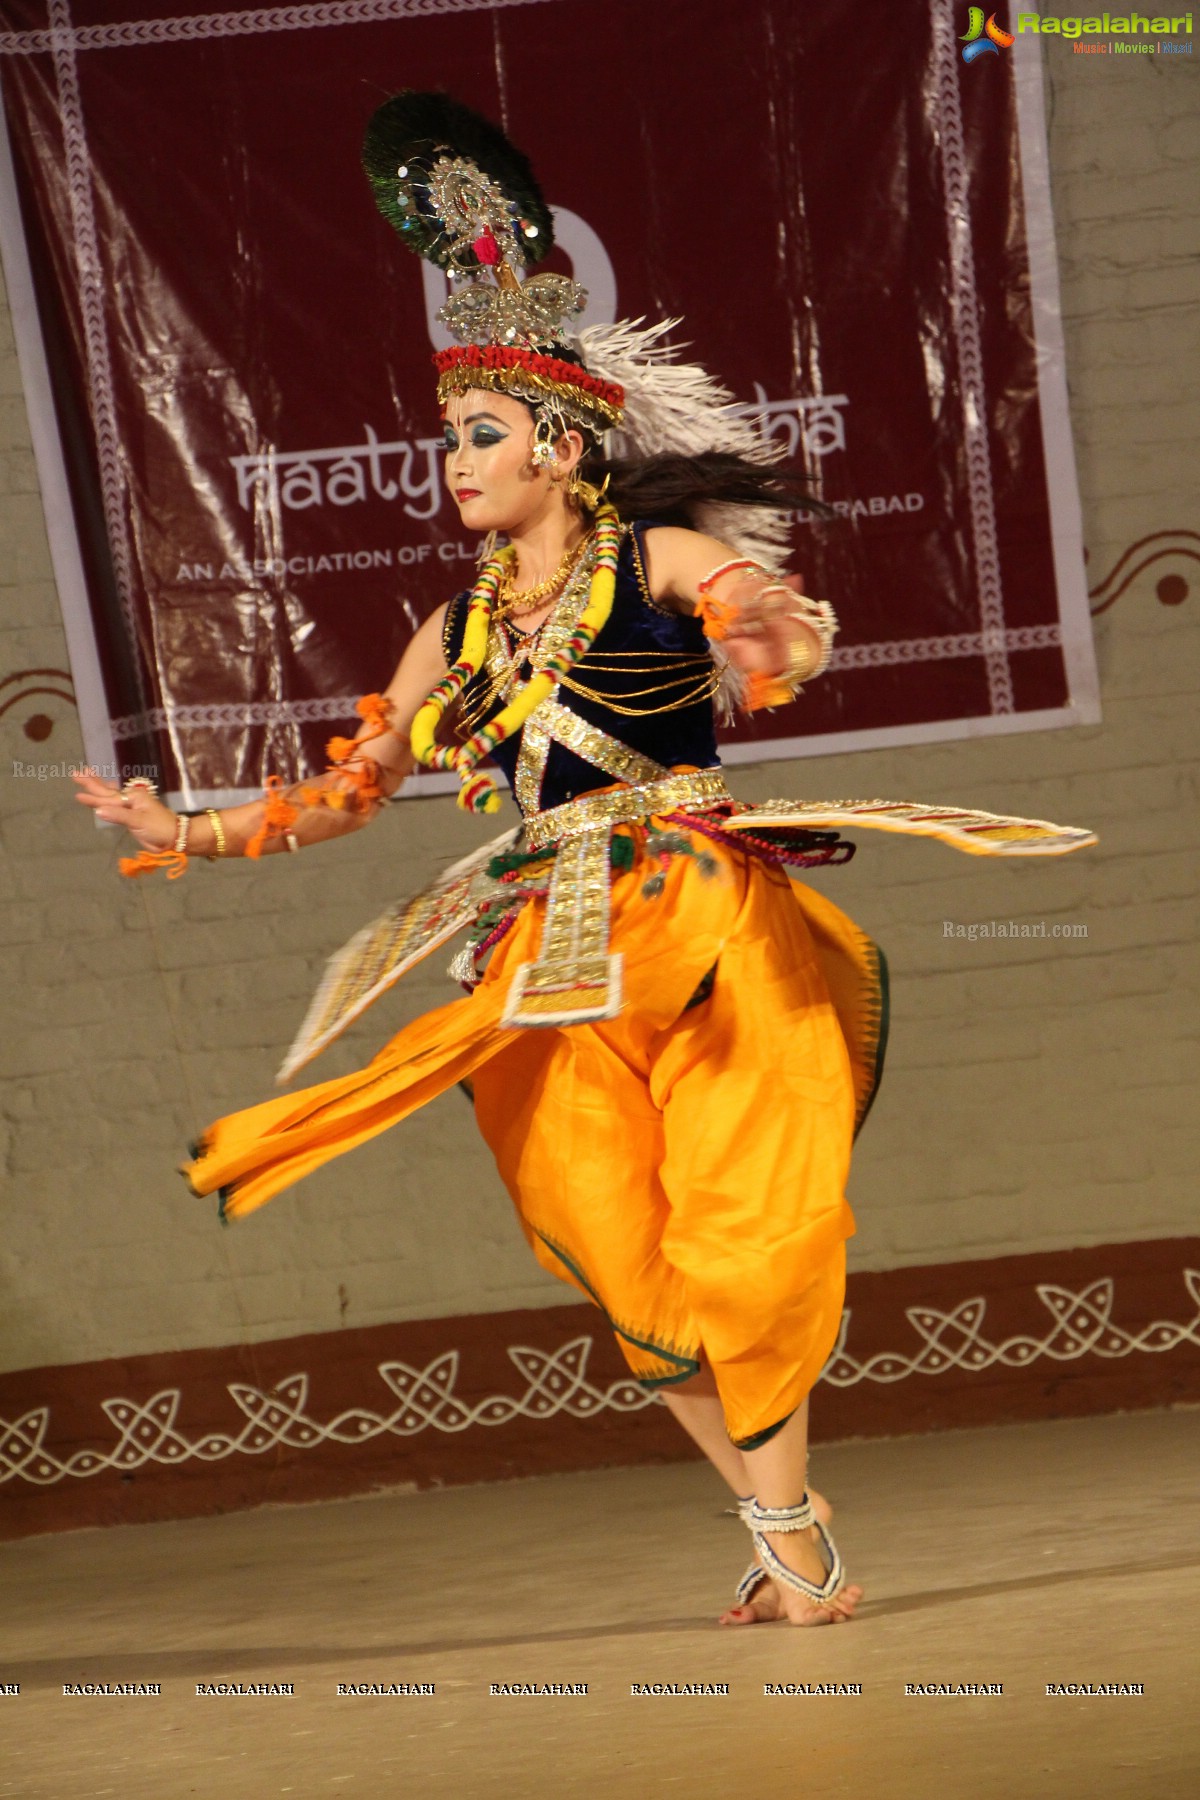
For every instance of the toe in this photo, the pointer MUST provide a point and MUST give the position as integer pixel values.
(843, 1604)
(759, 1611)
(837, 1611)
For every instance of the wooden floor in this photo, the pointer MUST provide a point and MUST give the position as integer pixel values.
(1027, 1556)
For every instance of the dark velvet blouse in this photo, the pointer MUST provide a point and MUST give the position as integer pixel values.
(634, 651)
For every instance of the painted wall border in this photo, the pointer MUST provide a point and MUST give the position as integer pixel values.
(425, 1402)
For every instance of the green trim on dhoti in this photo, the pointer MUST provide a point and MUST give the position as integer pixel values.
(877, 1015)
(687, 1362)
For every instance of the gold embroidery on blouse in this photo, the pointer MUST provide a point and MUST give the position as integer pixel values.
(639, 570)
(553, 721)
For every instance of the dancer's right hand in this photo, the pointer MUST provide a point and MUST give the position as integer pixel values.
(143, 815)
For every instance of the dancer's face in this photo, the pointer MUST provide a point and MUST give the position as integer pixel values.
(489, 460)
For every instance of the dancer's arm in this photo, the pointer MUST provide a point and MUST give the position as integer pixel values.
(764, 636)
(156, 827)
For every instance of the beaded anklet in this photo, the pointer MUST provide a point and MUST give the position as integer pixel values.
(761, 1519)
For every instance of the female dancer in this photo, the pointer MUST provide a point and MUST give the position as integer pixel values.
(671, 1044)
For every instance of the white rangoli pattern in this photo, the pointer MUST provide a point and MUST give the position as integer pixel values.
(556, 1382)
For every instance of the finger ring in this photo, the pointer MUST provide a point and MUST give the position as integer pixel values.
(138, 784)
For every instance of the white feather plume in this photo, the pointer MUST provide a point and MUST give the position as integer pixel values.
(674, 408)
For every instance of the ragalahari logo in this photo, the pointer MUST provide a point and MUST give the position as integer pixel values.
(980, 39)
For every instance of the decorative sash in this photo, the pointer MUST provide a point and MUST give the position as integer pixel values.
(979, 833)
(378, 955)
(575, 977)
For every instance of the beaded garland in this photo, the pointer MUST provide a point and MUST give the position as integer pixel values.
(817, 849)
(478, 792)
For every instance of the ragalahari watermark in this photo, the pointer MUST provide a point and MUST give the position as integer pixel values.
(1013, 928)
(60, 771)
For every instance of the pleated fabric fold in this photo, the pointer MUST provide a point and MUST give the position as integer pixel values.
(683, 1166)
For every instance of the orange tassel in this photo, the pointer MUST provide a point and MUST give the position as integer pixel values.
(376, 710)
(765, 690)
(147, 861)
(362, 781)
(716, 616)
(278, 815)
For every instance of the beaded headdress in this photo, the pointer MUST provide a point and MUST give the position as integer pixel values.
(460, 195)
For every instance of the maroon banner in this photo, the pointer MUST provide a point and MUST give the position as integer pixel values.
(239, 348)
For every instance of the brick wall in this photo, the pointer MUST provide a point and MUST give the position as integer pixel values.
(1036, 1090)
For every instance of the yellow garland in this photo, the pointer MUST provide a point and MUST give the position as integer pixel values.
(422, 738)
(477, 792)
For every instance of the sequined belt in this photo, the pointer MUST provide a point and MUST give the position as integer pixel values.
(576, 977)
(620, 806)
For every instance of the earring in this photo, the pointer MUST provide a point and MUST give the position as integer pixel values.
(543, 443)
(587, 493)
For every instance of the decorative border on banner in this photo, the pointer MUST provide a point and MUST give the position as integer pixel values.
(557, 1383)
(941, 649)
(965, 303)
(62, 531)
(1058, 448)
(92, 299)
(250, 23)
(234, 713)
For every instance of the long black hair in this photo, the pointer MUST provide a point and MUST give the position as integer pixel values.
(670, 489)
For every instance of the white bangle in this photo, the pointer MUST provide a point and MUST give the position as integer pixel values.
(705, 585)
(818, 615)
(181, 834)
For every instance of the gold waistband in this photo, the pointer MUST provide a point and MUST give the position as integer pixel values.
(620, 806)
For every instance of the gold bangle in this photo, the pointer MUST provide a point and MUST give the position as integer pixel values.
(211, 813)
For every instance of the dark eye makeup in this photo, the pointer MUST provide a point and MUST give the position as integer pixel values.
(482, 437)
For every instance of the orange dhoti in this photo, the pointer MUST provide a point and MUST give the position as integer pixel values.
(682, 1165)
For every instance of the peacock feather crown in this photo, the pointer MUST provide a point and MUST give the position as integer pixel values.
(460, 195)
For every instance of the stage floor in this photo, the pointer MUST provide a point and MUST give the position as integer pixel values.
(1024, 1556)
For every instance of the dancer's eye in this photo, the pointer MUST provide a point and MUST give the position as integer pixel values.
(449, 440)
(484, 436)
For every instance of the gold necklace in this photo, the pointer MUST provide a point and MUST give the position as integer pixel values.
(500, 677)
(511, 600)
(702, 688)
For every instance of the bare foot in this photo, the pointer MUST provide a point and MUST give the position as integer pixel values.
(801, 1551)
